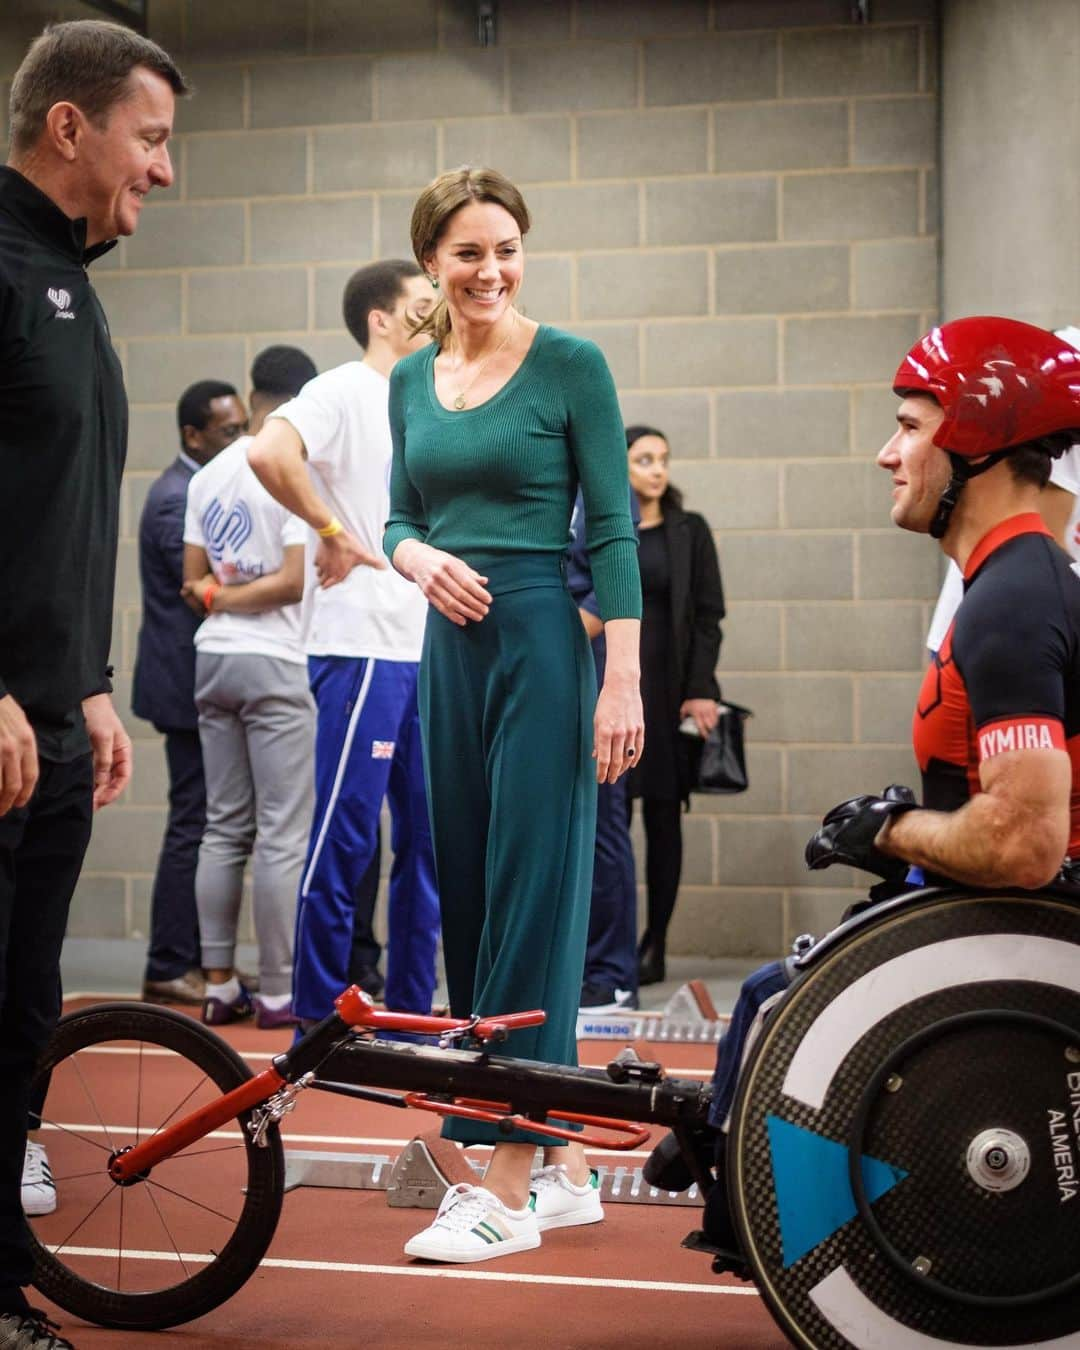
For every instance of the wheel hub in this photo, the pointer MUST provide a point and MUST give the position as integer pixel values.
(998, 1160)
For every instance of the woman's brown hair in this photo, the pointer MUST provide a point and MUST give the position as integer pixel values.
(438, 202)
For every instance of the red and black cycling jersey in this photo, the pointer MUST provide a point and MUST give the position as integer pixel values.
(1007, 676)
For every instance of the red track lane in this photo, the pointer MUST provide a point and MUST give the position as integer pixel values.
(406, 1305)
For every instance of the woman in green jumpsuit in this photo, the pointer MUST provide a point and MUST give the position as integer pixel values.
(494, 426)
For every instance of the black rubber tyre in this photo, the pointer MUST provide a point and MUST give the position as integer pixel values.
(902, 1148)
(227, 1202)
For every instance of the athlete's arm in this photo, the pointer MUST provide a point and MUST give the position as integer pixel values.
(283, 587)
(276, 456)
(196, 576)
(1013, 833)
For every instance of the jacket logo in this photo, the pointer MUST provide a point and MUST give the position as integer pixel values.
(225, 530)
(62, 300)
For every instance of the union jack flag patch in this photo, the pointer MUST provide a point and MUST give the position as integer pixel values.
(382, 749)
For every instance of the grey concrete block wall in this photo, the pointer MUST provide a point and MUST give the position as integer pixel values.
(735, 200)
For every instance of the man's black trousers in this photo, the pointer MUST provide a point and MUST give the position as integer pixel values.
(174, 919)
(41, 852)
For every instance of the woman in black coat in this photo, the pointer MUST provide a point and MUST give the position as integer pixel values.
(680, 643)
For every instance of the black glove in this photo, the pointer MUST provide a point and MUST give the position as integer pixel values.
(848, 832)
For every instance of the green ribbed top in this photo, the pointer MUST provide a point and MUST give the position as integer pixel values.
(502, 477)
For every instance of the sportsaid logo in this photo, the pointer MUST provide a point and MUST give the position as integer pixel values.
(62, 300)
(1007, 736)
(225, 529)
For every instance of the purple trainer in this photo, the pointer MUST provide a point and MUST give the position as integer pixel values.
(271, 1019)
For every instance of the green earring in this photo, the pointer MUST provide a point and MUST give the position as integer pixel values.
(435, 282)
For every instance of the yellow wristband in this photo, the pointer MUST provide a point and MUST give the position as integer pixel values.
(328, 531)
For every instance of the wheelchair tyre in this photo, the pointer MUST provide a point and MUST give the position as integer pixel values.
(172, 1247)
(904, 1153)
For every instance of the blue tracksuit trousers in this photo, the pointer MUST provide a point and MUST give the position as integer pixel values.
(367, 747)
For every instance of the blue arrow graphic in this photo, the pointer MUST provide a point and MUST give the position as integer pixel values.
(813, 1193)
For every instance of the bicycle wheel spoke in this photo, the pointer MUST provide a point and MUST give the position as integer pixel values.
(179, 1195)
(92, 1101)
(120, 1244)
(180, 1104)
(59, 1246)
(138, 1094)
(202, 1153)
(75, 1176)
(74, 1134)
(168, 1230)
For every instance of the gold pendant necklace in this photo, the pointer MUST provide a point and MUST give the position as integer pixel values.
(459, 400)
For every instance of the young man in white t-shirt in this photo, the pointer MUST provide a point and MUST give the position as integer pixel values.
(244, 568)
(364, 627)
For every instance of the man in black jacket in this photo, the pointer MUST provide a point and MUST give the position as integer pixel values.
(209, 417)
(91, 112)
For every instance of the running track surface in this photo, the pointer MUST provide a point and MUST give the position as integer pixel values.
(335, 1275)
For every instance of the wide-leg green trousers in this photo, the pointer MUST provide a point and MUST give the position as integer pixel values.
(506, 708)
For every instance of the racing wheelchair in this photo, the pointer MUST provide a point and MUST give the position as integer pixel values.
(903, 1162)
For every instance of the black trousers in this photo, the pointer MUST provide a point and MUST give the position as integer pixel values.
(663, 864)
(41, 852)
(174, 921)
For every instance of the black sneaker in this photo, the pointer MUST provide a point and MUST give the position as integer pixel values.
(30, 1330)
(370, 980)
(602, 998)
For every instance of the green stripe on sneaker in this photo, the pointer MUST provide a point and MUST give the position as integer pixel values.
(483, 1228)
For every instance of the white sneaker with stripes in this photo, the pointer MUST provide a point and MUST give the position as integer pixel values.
(38, 1187)
(558, 1203)
(474, 1225)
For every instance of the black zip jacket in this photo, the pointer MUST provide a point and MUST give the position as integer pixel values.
(63, 437)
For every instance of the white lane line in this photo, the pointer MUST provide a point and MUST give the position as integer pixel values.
(430, 1273)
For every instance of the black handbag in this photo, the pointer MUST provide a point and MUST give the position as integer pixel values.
(721, 765)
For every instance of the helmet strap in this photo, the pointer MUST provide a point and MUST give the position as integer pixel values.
(962, 471)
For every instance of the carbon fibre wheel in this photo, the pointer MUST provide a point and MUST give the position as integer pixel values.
(171, 1246)
(904, 1157)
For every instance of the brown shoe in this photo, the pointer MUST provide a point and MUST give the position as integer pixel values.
(187, 988)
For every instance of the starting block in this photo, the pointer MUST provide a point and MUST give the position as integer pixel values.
(689, 1016)
(428, 1165)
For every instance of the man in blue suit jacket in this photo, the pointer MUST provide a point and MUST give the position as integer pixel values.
(610, 981)
(210, 416)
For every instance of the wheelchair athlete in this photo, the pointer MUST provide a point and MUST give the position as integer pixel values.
(986, 404)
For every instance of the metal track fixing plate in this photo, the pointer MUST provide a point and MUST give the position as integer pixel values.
(688, 1017)
(414, 1181)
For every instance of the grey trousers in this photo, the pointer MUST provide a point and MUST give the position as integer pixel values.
(257, 728)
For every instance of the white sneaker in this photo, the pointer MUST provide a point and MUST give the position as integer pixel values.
(38, 1187)
(474, 1225)
(558, 1203)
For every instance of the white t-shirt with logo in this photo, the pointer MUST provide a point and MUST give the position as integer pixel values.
(245, 533)
(343, 418)
(1064, 473)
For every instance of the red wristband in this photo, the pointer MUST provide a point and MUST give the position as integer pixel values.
(209, 591)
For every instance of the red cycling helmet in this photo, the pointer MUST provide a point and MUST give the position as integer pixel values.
(1000, 382)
